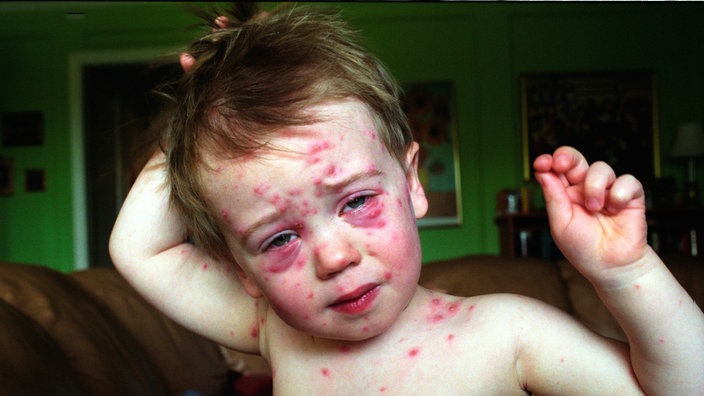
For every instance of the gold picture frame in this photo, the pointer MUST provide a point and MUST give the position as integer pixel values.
(430, 108)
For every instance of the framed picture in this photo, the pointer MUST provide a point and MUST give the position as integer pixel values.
(431, 113)
(23, 129)
(7, 186)
(34, 180)
(609, 116)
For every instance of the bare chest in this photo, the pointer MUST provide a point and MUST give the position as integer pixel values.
(438, 362)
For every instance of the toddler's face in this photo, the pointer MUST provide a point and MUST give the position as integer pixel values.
(324, 226)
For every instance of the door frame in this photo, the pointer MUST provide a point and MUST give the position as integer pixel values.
(76, 62)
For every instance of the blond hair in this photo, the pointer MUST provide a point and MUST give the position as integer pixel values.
(255, 77)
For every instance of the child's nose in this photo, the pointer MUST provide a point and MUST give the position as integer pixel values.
(332, 258)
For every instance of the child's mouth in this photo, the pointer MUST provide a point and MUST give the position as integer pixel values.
(357, 301)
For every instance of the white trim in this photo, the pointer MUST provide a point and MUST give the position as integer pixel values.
(75, 102)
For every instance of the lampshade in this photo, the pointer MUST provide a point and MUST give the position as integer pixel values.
(689, 141)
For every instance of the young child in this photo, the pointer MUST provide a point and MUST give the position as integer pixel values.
(280, 219)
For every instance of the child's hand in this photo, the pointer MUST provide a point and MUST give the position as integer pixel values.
(597, 220)
(187, 60)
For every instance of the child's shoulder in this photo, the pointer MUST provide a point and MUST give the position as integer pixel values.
(437, 307)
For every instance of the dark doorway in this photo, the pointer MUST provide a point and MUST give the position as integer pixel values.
(117, 109)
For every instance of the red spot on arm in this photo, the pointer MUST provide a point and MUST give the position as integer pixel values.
(414, 352)
(325, 372)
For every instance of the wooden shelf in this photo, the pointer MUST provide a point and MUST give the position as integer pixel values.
(670, 231)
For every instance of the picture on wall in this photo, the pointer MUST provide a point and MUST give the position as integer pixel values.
(7, 186)
(609, 116)
(22, 129)
(430, 110)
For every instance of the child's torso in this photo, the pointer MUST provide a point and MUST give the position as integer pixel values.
(449, 348)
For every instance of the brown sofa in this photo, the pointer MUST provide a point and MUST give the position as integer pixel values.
(88, 332)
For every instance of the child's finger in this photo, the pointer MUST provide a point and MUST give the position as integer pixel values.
(187, 61)
(571, 163)
(222, 22)
(624, 190)
(598, 180)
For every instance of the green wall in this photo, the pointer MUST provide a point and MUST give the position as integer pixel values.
(481, 47)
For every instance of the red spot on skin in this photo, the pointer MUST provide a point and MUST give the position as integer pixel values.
(300, 263)
(637, 287)
(310, 295)
(365, 329)
(345, 348)
(318, 147)
(226, 215)
(261, 189)
(471, 308)
(413, 352)
(382, 389)
(440, 308)
(330, 170)
(295, 192)
(325, 372)
(205, 266)
(661, 340)
(450, 337)
(388, 275)
(254, 331)
(436, 318)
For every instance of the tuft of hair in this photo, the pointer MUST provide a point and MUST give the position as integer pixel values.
(258, 75)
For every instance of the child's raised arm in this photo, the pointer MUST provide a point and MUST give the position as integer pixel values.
(149, 247)
(598, 221)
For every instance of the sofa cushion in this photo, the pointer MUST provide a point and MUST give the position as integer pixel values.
(484, 274)
(186, 360)
(105, 357)
(689, 271)
(31, 363)
(587, 307)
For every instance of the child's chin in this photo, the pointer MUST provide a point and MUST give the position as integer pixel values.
(366, 333)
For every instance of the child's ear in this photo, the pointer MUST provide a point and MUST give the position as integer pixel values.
(418, 199)
(250, 286)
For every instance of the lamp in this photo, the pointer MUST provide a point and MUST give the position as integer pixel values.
(689, 144)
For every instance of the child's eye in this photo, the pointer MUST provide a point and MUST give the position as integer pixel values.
(356, 202)
(280, 240)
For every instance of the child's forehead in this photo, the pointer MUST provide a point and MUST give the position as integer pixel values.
(311, 148)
